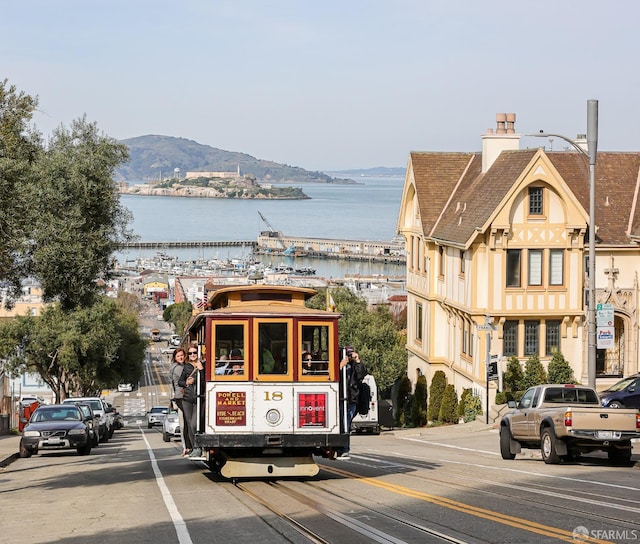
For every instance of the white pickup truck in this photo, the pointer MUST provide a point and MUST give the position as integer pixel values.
(564, 421)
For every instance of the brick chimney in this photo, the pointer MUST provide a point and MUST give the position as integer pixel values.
(505, 138)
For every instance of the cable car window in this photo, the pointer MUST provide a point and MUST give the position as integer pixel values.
(315, 349)
(229, 349)
(273, 357)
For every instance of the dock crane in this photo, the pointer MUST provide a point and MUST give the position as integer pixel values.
(272, 232)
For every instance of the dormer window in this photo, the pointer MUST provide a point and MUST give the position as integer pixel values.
(536, 203)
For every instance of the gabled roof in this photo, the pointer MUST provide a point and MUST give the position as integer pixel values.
(616, 177)
(436, 176)
(455, 197)
(478, 196)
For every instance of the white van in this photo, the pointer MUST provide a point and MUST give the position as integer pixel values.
(368, 423)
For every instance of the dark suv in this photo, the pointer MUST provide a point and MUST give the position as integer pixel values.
(624, 394)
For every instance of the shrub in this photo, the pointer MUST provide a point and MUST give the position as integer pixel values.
(559, 370)
(438, 384)
(466, 393)
(419, 404)
(513, 376)
(534, 372)
(449, 406)
(473, 409)
(502, 397)
(403, 393)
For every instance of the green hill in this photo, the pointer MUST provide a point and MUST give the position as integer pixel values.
(157, 157)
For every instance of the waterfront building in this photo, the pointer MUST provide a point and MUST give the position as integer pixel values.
(499, 238)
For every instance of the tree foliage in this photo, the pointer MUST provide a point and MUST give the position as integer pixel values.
(513, 377)
(449, 405)
(438, 385)
(77, 221)
(178, 314)
(466, 394)
(534, 372)
(419, 403)
(60, 213)
(403, 401)
(20, 148)
(371, 332)
(75, 352)
(560, 370)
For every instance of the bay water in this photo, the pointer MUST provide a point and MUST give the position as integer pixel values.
(367, 210)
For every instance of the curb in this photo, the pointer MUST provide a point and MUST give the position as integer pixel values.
(8, 460)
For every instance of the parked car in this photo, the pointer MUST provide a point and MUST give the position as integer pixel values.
(125, 387)
(99, 407)
(623, 394)
(174, 340)
(156, 416)
(56, 426)
(93, 420)
(171, 426)
(168, 350)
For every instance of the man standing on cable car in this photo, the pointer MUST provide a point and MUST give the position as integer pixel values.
(352, 372)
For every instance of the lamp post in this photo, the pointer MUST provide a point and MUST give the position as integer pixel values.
(590, 155)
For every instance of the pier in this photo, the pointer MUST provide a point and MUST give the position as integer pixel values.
(276, 243)
(189, 243)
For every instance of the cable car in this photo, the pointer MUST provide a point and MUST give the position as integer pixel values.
(262, 412)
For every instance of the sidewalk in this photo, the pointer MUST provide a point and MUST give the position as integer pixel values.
(9, 446)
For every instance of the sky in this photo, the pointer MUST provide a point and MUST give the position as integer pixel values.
(330, 85)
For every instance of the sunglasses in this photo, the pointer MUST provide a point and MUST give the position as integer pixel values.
(193, 353)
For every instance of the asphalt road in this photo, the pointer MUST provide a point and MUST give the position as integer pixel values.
(137, 488)
(444, 484)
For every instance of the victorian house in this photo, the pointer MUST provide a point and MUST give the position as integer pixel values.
(497, 247)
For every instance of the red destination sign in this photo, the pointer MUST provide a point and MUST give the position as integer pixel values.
(312, 409)
(231, 408)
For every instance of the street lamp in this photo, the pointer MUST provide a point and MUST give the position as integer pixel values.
(592, 147)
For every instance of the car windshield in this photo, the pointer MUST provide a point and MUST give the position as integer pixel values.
(55, 414)
(158, 410)
(620, 385)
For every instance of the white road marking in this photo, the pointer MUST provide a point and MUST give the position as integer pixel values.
(181, 527)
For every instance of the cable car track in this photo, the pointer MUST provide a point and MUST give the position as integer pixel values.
(366, 531)
(525, 498)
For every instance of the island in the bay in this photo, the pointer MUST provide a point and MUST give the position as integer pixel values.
(213, 185)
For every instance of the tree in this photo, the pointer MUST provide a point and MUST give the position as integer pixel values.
(60, 213)
(438, 385)
(371, 332)
(449, 406)
(79, 351)
(534, 373)
(560, 370)
(178, 314)
(77, 221)
(403, 395)
(419, 403)
(20, 147)
(466, 394)
(513, 377)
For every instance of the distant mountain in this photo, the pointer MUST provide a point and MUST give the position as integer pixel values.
(157, 157)
(378, 171)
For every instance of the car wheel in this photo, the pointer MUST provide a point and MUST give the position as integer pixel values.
(619, 456)
(548, 447)
(105, 437)
(505, 443)
(84, 450)
(166, 437)
(616, 404)
(24, 452)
